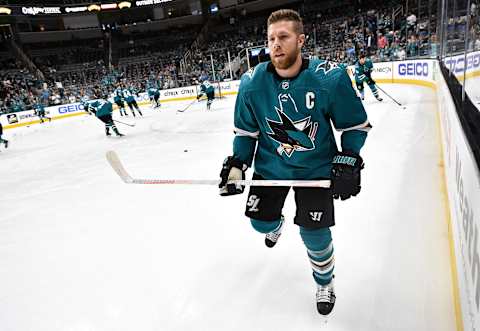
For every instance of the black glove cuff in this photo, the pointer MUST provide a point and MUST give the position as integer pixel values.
(348, 158)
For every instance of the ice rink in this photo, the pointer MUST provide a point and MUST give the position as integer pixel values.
(82, 251)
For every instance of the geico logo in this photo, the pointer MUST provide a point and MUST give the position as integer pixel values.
(458, 64)
(171, 93)
(70, 108)
(413, 69)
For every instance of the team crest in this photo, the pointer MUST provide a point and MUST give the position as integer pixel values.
(292, 136)
(326, 66)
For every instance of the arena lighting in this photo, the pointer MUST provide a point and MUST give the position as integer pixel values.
(75, 9)
(4, 10)
(108, 6)
(124, 4)
(94, 7)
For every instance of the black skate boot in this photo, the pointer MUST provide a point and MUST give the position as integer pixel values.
(379, 98)
(325, 298)
(5, 142)
(271, 238)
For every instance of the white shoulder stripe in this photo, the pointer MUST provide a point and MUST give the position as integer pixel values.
(243, 133)
(362, 127)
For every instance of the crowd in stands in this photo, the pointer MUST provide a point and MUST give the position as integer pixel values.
(337, 33)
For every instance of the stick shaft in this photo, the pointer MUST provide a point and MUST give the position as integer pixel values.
(117, 165)
(117, 121)
(388, 95)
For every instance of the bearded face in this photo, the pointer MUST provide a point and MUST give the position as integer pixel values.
(284, 43)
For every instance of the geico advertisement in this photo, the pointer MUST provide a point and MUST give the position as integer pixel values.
(64, 109)
(414, 69)
(459, 63)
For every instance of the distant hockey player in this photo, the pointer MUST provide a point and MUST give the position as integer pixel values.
(4, 141)
(282, 119)
(129, 95)
(39, 109)
(207, 89)
(153, 95)
(118, 99)
(102, 109)
(363, 73)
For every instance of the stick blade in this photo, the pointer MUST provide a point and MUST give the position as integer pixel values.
(117, 165)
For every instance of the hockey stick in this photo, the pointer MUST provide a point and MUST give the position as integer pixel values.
(117, 165)
(132, 125)
(388, 95)
(188, 106)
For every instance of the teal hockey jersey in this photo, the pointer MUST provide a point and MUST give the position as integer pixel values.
(363, 70)
(99, 107)
(286, 124)
(206, 87)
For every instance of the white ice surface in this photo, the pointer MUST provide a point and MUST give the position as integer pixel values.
(82, 251)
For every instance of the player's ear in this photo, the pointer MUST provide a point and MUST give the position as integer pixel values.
(301, 40)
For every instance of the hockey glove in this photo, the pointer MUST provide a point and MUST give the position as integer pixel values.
(346, 168)
(232, 169)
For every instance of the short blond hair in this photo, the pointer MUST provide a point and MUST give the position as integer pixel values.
(289, 15)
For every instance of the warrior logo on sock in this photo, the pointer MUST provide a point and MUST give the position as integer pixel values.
(291, 135)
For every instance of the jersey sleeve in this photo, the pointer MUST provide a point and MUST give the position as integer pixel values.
(348, 115)
(246, 127)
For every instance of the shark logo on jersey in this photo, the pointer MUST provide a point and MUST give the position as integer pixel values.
(291, 135)
(326, 66)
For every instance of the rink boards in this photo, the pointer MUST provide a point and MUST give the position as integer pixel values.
(461, 173)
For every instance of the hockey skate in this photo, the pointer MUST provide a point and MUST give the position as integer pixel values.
(325, 298)
(379, 98)
(271, 238)
(5, 142)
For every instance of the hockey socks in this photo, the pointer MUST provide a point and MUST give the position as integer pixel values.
(320, 252)
(272, 229)
(375, 92)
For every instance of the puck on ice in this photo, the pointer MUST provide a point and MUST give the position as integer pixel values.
(185, 150)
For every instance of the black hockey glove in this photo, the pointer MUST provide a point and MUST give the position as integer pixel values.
(346, 168)
(232, 169)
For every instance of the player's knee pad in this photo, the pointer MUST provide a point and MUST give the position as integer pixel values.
(316, 239)
(265, 226)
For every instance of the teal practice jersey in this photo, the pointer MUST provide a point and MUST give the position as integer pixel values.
(118, 94)
(152, 91)
(101, 107)
(363, 70)
(206, 87)
(129, 94)
(286, 123)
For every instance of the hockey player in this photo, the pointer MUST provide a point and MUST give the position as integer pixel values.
(282, 120)
(102, 109)
(207, 89)
(130, 99)
(118, 99)
(153, 95)
(4, 141)
(363, 73)
(39, 109)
